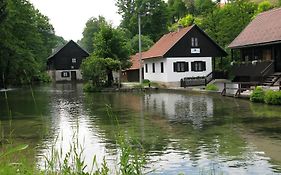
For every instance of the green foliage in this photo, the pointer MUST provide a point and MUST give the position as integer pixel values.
(258, 95)
(212, 87)
(93, 26)
(26, 40)
(146, 81)
(95, 69)
(134, 44)
(183, 22)
(272, 97)
(177, 9)
(154, 20)
(264, 6)
(111, 43)
(3, 10)
(204, 6)
(89, 87)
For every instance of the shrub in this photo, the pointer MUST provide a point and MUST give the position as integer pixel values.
(257, 95)
(146, 81)
(89, 87)
(273, 97)
(212, 87)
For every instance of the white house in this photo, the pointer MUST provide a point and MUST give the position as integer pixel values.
(187, 54)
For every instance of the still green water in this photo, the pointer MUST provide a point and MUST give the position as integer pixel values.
(182, 132)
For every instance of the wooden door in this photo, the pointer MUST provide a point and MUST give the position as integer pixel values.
(73, 75)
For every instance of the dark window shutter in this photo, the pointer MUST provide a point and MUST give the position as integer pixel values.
(203, 66)
(186, 67)
(192, 66)
(175, 67)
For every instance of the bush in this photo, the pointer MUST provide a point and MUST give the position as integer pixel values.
(272, 97)
(146, 81)
(212, 87)
(257, 95)
(89, 87)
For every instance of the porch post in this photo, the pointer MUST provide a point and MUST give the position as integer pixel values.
(214, 63)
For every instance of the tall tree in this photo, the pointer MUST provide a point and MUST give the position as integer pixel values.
(26, 40)
(177, 9)
(111, 43)
(92, 27)
(154, 16)
(134, 44)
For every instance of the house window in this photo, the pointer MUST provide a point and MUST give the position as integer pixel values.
(153, 67)
(194, 42)
(73, 60)
(181, 67)
(162, 67)
(65, 74)
(198, 66)
(146, 68)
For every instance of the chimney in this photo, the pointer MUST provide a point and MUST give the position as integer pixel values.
(180, 27)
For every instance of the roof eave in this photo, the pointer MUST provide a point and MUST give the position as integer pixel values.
(254, 44)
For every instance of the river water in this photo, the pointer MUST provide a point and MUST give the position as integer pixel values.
(181, 132)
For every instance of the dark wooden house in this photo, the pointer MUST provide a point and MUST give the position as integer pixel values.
(259, 50)
(64, 64)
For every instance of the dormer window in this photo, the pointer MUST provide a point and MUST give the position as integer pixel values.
(73, 60)
(194, 42)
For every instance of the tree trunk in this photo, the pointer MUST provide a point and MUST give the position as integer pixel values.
(109, 78)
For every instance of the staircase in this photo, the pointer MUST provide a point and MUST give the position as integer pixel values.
(272, 79)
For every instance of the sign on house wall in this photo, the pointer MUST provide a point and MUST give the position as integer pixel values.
(195, 50)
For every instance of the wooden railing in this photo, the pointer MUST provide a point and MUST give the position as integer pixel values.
(196, 81)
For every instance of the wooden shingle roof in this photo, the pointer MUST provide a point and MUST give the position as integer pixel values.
(135, 62)
(264, 29)
(163, 45)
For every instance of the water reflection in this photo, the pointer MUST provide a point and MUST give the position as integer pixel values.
(181, 108)
(181, 132)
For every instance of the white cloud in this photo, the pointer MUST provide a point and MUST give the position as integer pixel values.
(70, 16)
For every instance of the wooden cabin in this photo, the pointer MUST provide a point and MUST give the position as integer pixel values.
(187, 55)
(64, 64)
(258, 48)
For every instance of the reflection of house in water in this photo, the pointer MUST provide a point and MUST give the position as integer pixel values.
(181, 107)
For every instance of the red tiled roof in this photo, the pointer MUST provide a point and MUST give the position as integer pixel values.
(165, 43)
(135, 62)
(265, 28)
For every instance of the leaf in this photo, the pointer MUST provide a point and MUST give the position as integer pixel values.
(14, 150)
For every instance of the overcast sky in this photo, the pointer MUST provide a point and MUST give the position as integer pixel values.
(70, 16)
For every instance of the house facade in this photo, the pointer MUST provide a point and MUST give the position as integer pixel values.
(64, 64)
(258, 50)
(187, 54)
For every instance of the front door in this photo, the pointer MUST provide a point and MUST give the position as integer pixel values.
(73, 75)
(277, 59)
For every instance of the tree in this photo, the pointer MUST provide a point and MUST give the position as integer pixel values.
(183, 22)
(92, 27)
(134, 44)
(177, 9)
(95, 69)
(26, 40)
(112, 43)
(154, 20)
(203, 6)
(3, 10)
